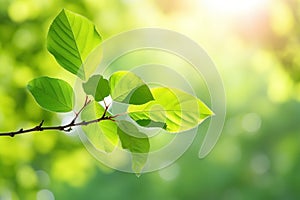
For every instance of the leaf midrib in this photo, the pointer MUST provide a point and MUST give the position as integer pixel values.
(73, 36)
(187, 111)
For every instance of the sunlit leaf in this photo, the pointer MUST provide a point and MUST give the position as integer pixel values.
(136, 142)
(97, 86)
(103, 135)
(172, 110)
(71, 38)
(126, 87)
(52, 94)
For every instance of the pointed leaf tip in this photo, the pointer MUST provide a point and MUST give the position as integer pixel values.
(173, 110)
(71, 38)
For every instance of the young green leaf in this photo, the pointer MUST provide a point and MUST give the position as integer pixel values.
(126, 87)
(97, 86)
(136, 142)
(52, 94)
(71, 38)
(172, 110)
(103, 135)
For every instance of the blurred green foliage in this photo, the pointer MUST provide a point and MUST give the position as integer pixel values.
(257, 53)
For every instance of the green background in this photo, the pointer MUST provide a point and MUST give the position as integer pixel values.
(256, 48)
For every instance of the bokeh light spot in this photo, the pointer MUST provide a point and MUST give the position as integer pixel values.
(22, 75)
(24, 38)
(260, 164)
(45, 195)
(170, 173)
(43, 177)
(19, 11)
(282, 20)
(251, 122)
(280, 86)
(26, 177)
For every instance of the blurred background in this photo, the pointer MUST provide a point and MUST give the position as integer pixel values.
(255, 45)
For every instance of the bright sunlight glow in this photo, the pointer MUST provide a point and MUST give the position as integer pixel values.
(234, 7)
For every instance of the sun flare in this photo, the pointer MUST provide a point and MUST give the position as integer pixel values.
(235, 7)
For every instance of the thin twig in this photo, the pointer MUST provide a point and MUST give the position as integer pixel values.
(86, 102)
(65, 128)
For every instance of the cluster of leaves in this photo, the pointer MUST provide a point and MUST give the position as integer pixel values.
(71, 39)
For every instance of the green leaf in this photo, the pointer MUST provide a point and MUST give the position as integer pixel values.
(103, 135)
(71, 38)
(136, 142)
(52, 94)
(150, 123)
(97, 86)
(126, 87)
(172, 110)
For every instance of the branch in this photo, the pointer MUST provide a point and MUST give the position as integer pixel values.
(65, 128)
